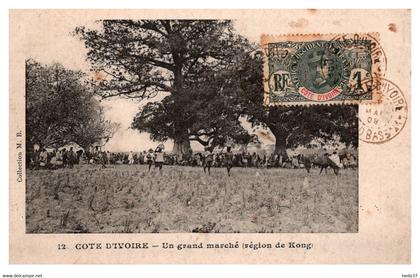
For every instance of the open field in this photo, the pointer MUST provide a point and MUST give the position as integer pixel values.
(128, 199)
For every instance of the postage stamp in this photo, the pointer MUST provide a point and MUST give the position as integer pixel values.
(316, 69)
(379, 58)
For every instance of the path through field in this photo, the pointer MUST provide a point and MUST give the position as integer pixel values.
(128, 199)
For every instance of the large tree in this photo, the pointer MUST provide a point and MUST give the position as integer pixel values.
(299, 125)
(61, 108)
(215, 107)
(295, 125)
(209, 76)
(181, 59)
(222, 98)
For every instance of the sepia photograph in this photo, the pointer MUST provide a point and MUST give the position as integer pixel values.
(164, 130)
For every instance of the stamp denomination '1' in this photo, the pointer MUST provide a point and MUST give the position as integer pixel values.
(317, 69)
(381, 122)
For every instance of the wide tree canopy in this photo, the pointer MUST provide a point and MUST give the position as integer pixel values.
(192, 61)
(293, 126)
(62, 109)
(214, 108)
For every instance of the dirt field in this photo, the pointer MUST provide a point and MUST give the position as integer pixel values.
(128, 199)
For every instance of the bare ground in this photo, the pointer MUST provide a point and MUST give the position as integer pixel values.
(128, 199)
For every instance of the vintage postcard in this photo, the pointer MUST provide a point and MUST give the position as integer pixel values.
(210, 136)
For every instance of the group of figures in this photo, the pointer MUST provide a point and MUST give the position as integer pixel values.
(56, 158)
(63, 158)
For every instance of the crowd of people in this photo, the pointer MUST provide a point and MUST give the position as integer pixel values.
(56, 158)
(67, 158)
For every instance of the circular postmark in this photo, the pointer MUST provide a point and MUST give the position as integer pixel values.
(379, 123)
(378, 55)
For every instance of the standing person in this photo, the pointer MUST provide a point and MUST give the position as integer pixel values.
(65, 157)
(245, 159)
(111, 158)
(258, 161)
(336, 159)
(217, 161)
(253, 160)
(43, 157)
(229, 159)
(130, 158)
(108, 157)
(79, 155)
(276, 160)
(57, 160)
(141, 158)
(103, 159)
(149, 158)
(159, 158)
(35, 159)
(71, 157)
(208, 159)
(264, 161)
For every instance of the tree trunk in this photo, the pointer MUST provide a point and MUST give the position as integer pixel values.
(181, 141)
(181, 146)
(280, 148)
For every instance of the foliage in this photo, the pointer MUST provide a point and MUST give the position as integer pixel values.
(209, 77)
(295, 125)
(299, 125)
(61, 109)
(195, 61)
